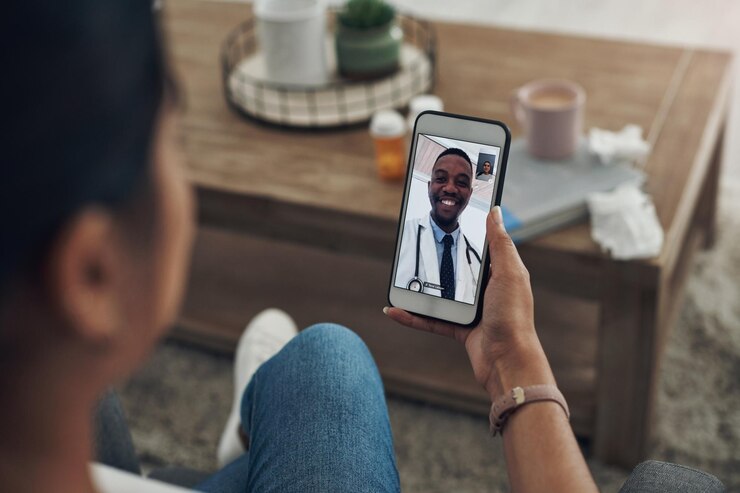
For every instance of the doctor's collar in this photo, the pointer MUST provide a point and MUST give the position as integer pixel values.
(439, 233)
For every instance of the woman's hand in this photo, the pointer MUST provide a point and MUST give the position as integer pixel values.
(541, 451)
(503, 348)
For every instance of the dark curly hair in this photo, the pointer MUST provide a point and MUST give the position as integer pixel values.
(454, 151)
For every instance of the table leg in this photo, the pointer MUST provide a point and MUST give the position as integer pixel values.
(638, 307)
(626, 363)
(707, 206)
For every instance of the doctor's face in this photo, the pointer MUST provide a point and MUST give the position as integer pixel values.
(450, 189)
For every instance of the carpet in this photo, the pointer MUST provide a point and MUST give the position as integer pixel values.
(178, 402)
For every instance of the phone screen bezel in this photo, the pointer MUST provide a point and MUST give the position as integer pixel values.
(470, 129)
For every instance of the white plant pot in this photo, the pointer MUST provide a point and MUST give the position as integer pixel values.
(292, 38)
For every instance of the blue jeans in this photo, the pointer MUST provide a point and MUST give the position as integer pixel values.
(317, 420)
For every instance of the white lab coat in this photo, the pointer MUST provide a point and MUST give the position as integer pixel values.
(466, 275)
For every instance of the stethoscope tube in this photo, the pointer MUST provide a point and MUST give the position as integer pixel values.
(415, 283)
(468, 248)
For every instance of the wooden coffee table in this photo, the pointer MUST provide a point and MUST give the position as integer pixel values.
(300, 220)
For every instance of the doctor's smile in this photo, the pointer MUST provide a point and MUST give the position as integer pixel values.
(449, 206)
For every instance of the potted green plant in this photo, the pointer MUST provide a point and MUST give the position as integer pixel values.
(368, 40)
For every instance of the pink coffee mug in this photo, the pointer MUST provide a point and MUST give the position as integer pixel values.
(550, 111)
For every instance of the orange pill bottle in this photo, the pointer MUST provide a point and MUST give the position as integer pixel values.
(388, 130)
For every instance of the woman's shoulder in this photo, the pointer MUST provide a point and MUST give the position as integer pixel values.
(110, 480)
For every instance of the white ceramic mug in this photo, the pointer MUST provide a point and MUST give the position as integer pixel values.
(292, 37)
(550, 111)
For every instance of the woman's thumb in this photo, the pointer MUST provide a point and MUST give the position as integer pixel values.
(499, 241)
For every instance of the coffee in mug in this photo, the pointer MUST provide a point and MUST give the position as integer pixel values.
(550, 111)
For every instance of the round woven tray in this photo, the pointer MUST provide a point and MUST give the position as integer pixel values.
(338, 103)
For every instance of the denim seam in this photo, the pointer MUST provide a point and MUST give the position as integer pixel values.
(253, 403)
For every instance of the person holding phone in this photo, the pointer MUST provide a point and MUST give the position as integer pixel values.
(97, 219)
(436, 257)
(97, 222)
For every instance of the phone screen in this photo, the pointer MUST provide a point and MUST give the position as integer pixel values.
(444, 225)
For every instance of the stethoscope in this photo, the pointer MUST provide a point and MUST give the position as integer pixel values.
(416, 284)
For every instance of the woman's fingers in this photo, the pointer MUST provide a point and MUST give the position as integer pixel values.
(427, 324)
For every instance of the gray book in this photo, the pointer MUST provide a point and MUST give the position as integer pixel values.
(540, 196)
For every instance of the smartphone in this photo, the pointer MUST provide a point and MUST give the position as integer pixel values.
(455, 175)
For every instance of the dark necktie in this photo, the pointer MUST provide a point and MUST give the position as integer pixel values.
(446, 270)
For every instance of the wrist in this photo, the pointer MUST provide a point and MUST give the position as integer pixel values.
(523, 363)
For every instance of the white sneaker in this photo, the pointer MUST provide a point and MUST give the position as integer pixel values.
(263, 337)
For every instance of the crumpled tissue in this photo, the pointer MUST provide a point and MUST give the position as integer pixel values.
(612, 147)
(624, 223)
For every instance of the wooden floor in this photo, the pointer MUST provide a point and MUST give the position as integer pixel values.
(235, 276)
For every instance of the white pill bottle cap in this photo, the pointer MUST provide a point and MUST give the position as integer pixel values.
(424, 102)
(387, 124)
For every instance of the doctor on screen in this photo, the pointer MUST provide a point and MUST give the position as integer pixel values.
(436, 258)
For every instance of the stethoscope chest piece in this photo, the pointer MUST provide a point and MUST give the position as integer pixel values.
(415, 285)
